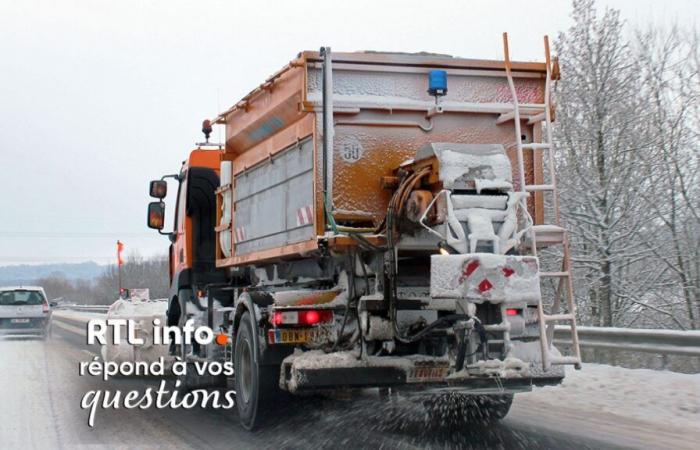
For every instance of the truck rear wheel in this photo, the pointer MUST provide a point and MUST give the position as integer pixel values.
(256, 385)
(460, 409)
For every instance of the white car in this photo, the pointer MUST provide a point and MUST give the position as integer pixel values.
(24, 311)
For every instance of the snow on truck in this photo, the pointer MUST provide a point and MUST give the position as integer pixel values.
(373, 220)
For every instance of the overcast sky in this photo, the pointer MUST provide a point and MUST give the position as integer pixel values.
(98, 97)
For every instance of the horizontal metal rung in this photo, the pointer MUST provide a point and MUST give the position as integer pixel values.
(554, 274)
(560, 360)
(553, 317)
(539, 187)
(547, 235)
(548, 229)
(527, 112)
(536, 118)
(505, 117)
(536, 146)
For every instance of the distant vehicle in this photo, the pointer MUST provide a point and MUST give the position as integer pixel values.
(24, 311)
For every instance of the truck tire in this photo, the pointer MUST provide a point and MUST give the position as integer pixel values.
(461, 409)
(255, 384)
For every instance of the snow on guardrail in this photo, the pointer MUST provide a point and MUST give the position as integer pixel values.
(87, 308)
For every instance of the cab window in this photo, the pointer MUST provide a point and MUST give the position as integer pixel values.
(180, 207)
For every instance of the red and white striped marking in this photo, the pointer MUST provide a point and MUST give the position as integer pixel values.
(305, 215)
(240, 234)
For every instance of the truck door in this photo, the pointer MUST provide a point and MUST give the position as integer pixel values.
(179, 252)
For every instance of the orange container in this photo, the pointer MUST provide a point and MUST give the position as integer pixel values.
(382, 114)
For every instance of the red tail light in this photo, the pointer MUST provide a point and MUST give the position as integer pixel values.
(312, 316)
(277, 318)
(45, 308)
(303, 317)
(512, 312)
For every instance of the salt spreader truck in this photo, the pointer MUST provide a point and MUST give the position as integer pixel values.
(373, 220)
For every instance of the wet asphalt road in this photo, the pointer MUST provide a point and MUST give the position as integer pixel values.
(40, 408)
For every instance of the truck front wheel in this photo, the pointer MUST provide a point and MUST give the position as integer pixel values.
(255, 384)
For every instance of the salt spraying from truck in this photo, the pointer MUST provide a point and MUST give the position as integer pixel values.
(373, 220)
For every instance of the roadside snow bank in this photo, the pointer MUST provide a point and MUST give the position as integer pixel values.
(659, 397)
(143, 313)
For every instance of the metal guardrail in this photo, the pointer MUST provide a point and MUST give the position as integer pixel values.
(86, 308)
(665, 342)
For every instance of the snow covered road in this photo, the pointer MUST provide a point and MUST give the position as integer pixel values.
(599, 407)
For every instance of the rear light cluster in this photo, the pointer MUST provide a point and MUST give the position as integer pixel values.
(513, 312)
(301, 317)
(45, 308)
(484, 285)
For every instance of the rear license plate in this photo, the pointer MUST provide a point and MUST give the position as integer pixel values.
(19, 321)
(427, 374)
(295, 336)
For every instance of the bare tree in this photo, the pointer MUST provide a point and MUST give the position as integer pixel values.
(137, 272)
(669, 66)
(627, 130)
(599, 141)
(56, 285)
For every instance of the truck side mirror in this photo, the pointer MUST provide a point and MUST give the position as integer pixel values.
(156, 215)
(158, 189)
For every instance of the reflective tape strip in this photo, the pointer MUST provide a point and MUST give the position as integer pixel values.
(305, 215)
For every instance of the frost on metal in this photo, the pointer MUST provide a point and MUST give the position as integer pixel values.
(483, 277)
(491, 219)
(464, 163)
(508, 368)
(300, 361)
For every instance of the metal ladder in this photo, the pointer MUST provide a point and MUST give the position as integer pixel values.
(551, 234)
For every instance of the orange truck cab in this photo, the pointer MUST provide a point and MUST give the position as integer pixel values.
(193, 236)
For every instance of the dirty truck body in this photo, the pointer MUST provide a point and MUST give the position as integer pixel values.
(363, 227)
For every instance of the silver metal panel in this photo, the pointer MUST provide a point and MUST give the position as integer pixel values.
(393, 85)
(274, 201)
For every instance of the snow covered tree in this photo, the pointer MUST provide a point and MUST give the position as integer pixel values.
(671, 81)
(599, 151)
(627, 134)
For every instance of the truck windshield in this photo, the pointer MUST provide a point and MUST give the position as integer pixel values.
(21, 297)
